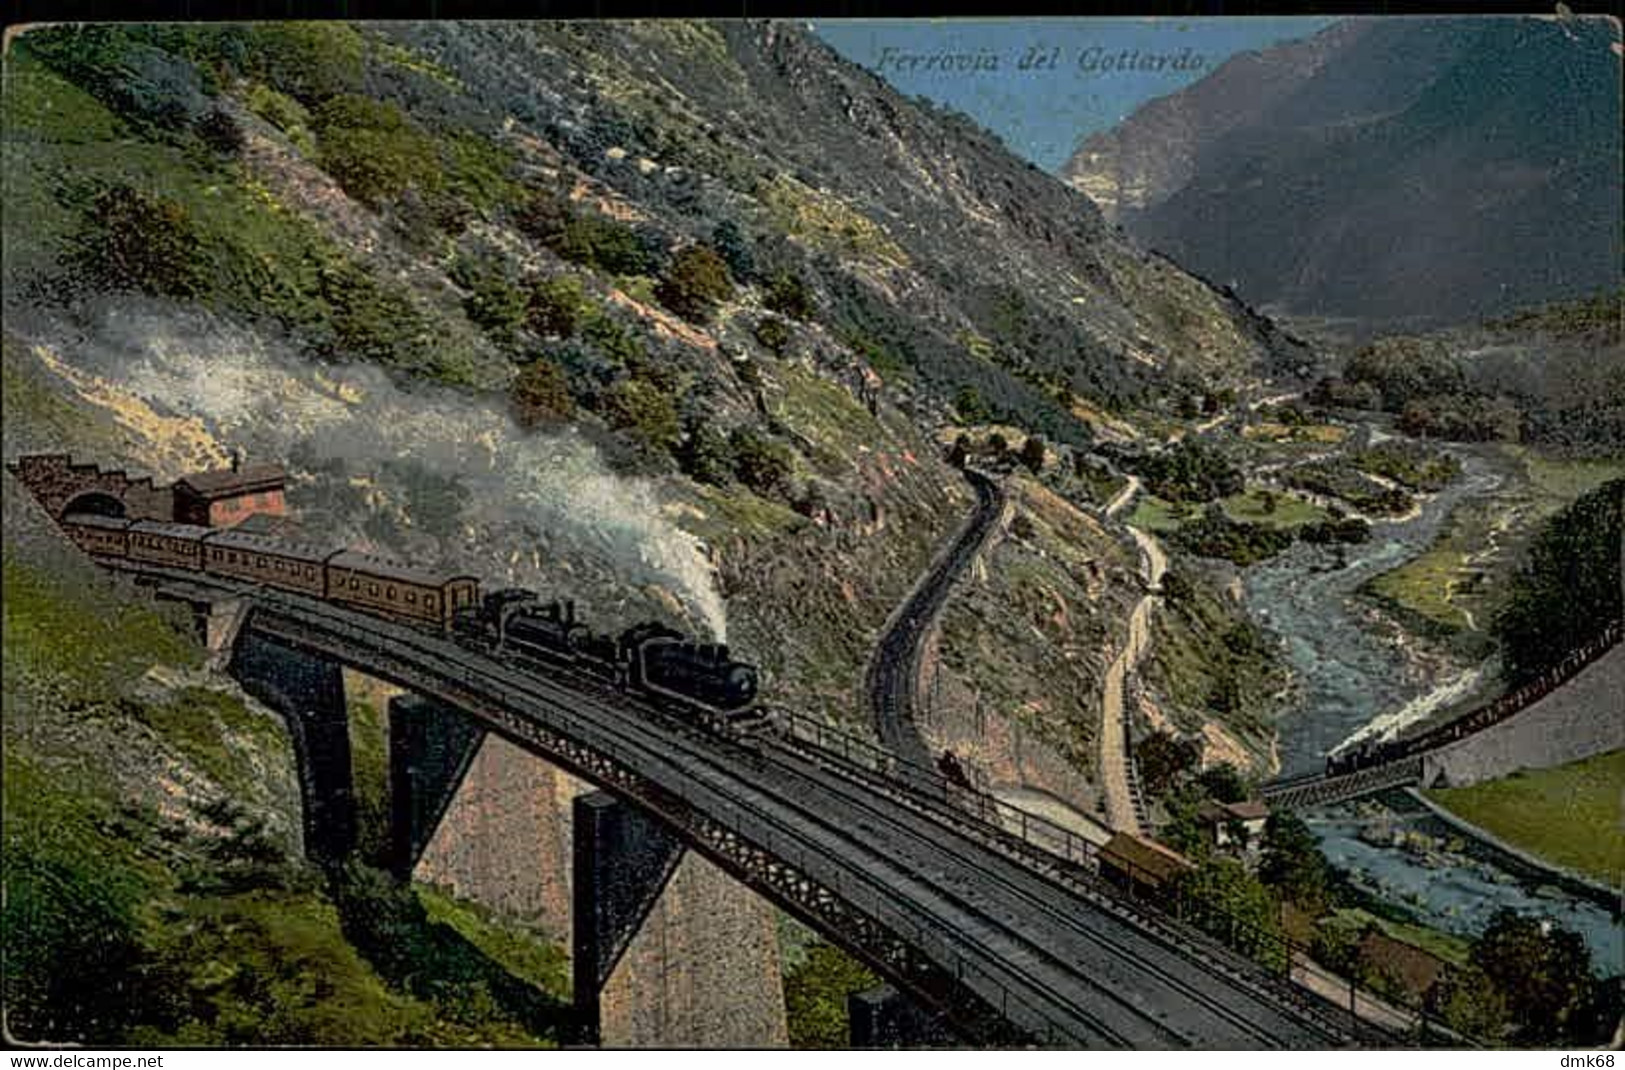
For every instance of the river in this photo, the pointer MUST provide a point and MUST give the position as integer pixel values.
(1352, 675)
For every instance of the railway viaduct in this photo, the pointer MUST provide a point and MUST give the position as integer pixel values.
(1007, 943)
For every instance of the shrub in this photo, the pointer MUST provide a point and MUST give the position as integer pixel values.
(706, 455)
(284, 113)
(760, 463)
(373, 150)
(369, 320)
(311, 60)
(640, 407)
(543, 216)
(604, 244)
(220, 132)
(773, 333)
(734, 247)
(970, 406)
(133, 240)
(540, 394)
(495, 303)
(1032, 453)
(789, 295)
(614, 340)
(695, 283)
(557, 305)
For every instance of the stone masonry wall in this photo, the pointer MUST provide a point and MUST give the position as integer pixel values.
(1585, 716)
(704, 969)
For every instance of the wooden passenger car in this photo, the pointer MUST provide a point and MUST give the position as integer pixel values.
(103, 536)
(290, 565)
(393, 589)
(175, 545)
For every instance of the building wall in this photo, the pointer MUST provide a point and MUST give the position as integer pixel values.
(1585, 716)
(225, 512)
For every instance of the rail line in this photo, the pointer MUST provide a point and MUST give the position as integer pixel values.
(985, 916)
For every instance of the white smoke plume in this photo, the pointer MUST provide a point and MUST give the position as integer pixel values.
(426, 473)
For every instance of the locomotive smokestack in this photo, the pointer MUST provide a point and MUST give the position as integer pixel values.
(569, 611)
(236, 460)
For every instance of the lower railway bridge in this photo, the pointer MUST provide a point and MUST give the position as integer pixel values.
(1001, 939)
(1572, 710)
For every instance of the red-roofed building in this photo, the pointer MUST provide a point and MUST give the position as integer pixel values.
(224, 496)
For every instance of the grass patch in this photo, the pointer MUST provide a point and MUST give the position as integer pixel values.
(1568, 815)
(1424, 585)
(1564, 478)
(525, 954)
(1152, 513)
(1289, 512)
(74, 632)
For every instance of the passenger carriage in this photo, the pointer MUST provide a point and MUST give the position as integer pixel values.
(394, 589)
(291, 565)
(103, 536)
(174, 545)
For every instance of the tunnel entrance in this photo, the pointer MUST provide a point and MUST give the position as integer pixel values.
(95, 503)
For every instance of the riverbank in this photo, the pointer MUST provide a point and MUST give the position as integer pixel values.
(1564, 820)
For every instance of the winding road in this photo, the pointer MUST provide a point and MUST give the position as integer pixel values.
(893, 673)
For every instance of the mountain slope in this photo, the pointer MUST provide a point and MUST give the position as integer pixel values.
(1423, 170)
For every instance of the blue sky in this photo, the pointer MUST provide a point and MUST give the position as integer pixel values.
(1043, 111)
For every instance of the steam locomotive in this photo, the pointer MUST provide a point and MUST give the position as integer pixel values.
(700, 682)
(648, 659)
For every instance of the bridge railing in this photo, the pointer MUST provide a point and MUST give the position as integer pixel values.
(744, 820)
(1237, 945)
(1485, 716)
(1039, 832)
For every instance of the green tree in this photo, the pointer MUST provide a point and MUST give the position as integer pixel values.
(970, 406)
(373, 149)
(1541, 970)
(134, 240)
(557, 305)
(638, 406)
(603, 243)
(706, 455)
(760, 463)
(1465, 1000)
(1293, 864)
(311, 60)
(540, 394)
(1224, 783)
(1162, 758)
(815, 994)
(1569, 587)
(614, 339)
(494, 303)
(695, 283)
(1223, 899)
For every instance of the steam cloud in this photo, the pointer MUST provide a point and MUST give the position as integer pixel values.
(425, 473)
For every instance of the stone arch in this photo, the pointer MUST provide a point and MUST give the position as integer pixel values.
(95, 502)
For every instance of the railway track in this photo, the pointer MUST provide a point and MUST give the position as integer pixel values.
(890, 680)
(1067, 972)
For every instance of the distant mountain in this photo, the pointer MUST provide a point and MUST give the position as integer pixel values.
(1426, 171)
